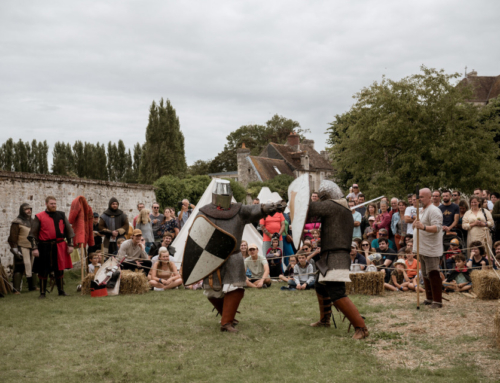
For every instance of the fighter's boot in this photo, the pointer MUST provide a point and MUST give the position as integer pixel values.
(60, 288)
(346, 307)
(17, 281)
(325, 311)
(43, 286)
(231, 302)
(428, 292)
(436, 288)
(31, 284)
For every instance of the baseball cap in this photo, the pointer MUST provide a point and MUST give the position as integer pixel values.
(371, 218)
(136, 232)
(253, 246)
(400, 261)
(455, 242)
(96, 215)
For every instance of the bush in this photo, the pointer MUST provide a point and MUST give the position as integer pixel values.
(278, 184)
(239, 191)
(170, 189)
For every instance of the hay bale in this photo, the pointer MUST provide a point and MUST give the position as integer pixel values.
(131, 282)
(368, 283)
(485, 284)
(497, 327)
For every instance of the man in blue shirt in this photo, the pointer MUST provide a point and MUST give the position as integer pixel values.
(382, 233)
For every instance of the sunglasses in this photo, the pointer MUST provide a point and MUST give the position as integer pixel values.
(156, 207)
(365, 244)
(252, 249)
(454, 195)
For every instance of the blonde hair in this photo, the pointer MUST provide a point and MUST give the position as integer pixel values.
(144, 216)
(120, 240)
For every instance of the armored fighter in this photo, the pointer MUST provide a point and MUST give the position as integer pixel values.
(217, 230)
(334, 261)
(20, 247)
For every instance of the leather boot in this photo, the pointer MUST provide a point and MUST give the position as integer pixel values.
(437, 289)
(43, 286)
(218, 303)
(60, 289)
(231, 302)
(428, 291)
(31, 284)
(325, 311)
(17, 281)
(346, 307)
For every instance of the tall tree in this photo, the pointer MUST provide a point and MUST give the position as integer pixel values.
(419, 130)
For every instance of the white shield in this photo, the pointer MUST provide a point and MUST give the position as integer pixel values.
(298, 202)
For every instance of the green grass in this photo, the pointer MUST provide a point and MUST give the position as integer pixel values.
(174, 337)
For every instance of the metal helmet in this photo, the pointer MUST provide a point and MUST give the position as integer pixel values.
(329, 190)
(222, 194)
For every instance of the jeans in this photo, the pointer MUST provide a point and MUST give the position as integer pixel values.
(292, 284)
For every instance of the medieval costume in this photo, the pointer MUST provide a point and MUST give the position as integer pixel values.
(113, 220)
(334, 260)
(224, 287)
(48, 233)
(20, 247)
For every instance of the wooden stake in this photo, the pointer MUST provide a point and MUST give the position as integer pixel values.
(82, 261)
(418, 250)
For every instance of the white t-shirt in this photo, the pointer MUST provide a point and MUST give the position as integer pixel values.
(431, 244)
(411, 211)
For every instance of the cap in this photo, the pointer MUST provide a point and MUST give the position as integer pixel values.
(382, 231)
(253, 246)
(354, 244)
(136, 232)
(371, 218)
(455, 241)
(400, 261)
(96, 215)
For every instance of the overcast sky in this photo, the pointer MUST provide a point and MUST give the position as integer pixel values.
(89, 70)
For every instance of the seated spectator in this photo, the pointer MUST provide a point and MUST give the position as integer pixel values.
(450, 254)
(311, 254)
(164, 274)
(245, 255)
(315, 238)
(477, 259)
(459, 279)
(411, 270)
(399, 280)
(95, 262)
(496, 249)
(383, 233)
(303, 276)
(274, 257)
(388, 257)
(133, 254)
(408, 244)
(259, 269)
(144, 225)
(357, 258)
(288, 274)
(118, 244)
(370, 233)
(166, 242)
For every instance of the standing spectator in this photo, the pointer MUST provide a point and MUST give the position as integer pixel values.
(271, 225)
(259, 269)
(456, 197)
(383, 220)
(144, 225)
(371, 211)
(97, 236)
(370, 233)
(411, 214)
(398, 225)
(478, 192)
(303, 276)
(451, 215)
(113, 223)
(496, 217)
(357, 258)
(356, 216)
(166, 242)
(389, 256)
(477, 221)
(394, 206)
(436, 198)
(495, 197)
(354, 194)
(463, 207)
(362, 209)
(431, 248)
(132, 253)
(256, 201)
(496, 249)
(487, 196)
(169, 223)
(274, 257)
(140, 206)
(156, 220)
(185, 212)
(314, 197)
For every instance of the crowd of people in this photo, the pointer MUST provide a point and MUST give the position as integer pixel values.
(383, 239)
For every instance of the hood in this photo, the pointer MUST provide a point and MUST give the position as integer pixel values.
(113, 212)
(23, 217)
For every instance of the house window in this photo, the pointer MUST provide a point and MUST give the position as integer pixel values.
(277, 170)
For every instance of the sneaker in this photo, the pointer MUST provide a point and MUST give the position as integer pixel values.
(158, 289)
(284, 288)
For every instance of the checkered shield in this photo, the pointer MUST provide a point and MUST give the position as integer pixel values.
(207, 248)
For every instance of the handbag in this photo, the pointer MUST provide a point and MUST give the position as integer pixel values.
(289, 238)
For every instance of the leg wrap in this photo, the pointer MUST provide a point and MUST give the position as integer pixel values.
(436, 286)
(346, 307)
(43, 283)
(428, 291)
(325, 311)
(17, 280)
(231, 302)
(218, 303)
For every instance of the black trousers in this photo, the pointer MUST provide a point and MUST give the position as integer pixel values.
(334, 290)
(145, 266)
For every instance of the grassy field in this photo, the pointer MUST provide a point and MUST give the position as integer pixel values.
(174, 337)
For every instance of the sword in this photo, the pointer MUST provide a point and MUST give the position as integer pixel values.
(364, 203)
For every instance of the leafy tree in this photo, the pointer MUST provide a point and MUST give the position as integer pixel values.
(239, 192)
(163, 152)
(62, 159)
(199, 167)
(171, 189)
(278, 184)
(419, 130)
(136, 162)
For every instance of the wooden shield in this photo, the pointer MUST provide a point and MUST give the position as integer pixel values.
(207, 248)
(298, 202)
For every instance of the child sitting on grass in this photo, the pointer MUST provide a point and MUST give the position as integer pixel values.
(458, 279)
(303, 277)
(453, 250)
(95, 262)
(411, 270)
(288, 274)
(399, 280)
(477, 256)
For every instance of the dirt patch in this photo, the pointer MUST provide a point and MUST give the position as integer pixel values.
(463, 330)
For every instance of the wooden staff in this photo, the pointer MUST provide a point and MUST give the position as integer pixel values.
(418, 249)
(82, 261)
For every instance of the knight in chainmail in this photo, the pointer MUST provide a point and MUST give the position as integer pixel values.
(334, 261)
(224, 287)
(20, 247)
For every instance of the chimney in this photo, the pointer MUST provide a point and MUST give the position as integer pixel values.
(309, 143)
(242, 163)
(293, 140)
(325, 155)
(472, 74)
(304, 160)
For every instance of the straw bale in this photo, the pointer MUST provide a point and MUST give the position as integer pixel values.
(368, 283)
(485, 284)
(5, 286)
(131, 282)
(497, 327)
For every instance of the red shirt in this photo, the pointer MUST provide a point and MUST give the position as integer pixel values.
(272, 224)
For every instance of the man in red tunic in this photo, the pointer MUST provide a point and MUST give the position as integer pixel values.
(49, 230)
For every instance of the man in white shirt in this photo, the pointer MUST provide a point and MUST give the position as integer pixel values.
(411, 214)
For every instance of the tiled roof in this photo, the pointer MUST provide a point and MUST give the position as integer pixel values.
(266, 167)
(485, 87)
(316, 161)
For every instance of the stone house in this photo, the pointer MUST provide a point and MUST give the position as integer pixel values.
(485, 87)
(293, 158)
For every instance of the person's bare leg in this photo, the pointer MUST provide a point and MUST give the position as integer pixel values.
(390, 287)
(175, 283)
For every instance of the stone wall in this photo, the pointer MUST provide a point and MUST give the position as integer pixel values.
(17, 188)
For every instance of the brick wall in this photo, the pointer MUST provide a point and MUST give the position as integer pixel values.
(17, 188)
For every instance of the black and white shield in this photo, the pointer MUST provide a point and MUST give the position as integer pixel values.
(207, 248)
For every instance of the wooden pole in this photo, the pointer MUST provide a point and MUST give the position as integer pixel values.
(418, 249)
(82, 261)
